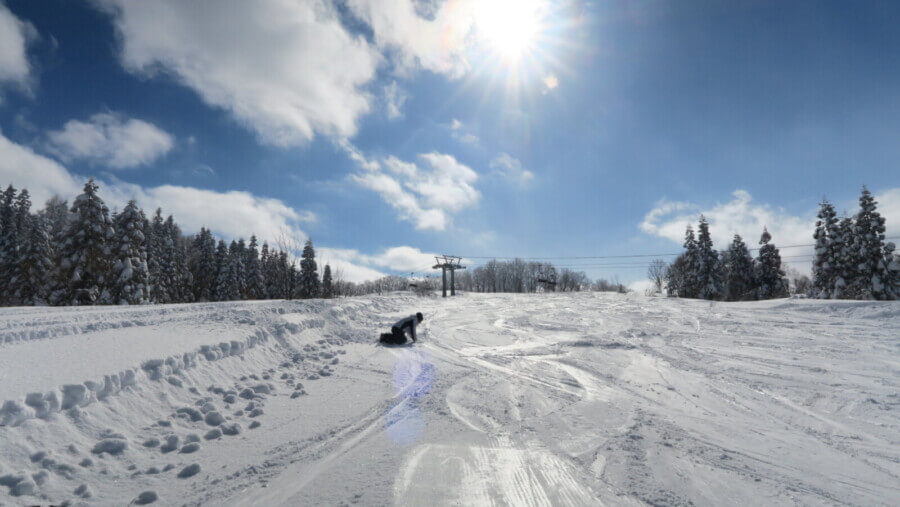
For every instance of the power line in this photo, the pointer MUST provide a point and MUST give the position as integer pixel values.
(633, 256)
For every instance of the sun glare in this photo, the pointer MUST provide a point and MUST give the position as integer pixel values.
(509, 27)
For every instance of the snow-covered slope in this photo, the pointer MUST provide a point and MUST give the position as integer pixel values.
(508, 399)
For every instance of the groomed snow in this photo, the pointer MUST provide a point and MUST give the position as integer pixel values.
(545, 399)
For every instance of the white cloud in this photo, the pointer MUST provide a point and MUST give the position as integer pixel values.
(467, 138)
(738, 216)
(397, 166)
(358, 267)
(231, 214)
(111, 140)
(448, 185)
(15, 35)
(404, 258)
(889, 207)
(286, 69)
(357, 156)
(403, 200)
(426, 194)
(43, 177)
(459, 133)
(436, 44)
(394, 98)
(511, 169)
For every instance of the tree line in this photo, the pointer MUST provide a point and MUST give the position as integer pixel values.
(851, 261)
(518, 275)
(83, 255)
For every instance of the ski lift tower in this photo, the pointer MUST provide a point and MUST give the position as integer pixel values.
(448, 263)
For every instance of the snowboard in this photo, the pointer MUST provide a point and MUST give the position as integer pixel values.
(388, 339)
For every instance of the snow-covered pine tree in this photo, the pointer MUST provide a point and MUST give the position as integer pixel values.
(36, 264)
(221, 271)
(204, 265)
(826, 265)
(9, 247)
(285, 283)
(309, 276)
(56, 215)
(845, 261)
(23, 213)
(229, 283)
(130, 279)
(253, 269)
(267, 263)
(241, 268)
(327, 286)
(708, 273)
(868, 247)
(156, 248)
(681, 277)
(293, 281)
(175, 270)
(23, 224)
(769, 276)
(738, 271)
(84, 254)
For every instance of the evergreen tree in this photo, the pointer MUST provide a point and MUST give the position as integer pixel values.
(240, 274)
(845, 260)
(327, 287)
(681, 277)
(293, 281)
(84, 255)
(868, 248)
(255, 286)
(229, 286)
(204, 265)
(221, 272)
(56, 214)
(36, 264)
(769, 276)
(268, 263)
(156, 247)
(23, 213)
(175, 272)
(131, 277)
(9, 247)
(708, 273)
(283, 269)
(826, 266)
(308, 284)
(738, 271)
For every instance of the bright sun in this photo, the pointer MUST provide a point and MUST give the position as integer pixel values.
(509, 27)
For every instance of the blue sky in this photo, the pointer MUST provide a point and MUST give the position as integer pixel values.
(388, 130)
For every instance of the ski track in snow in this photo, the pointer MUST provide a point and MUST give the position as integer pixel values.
(552, 399)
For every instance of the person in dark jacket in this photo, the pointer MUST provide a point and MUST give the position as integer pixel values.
(397, 335)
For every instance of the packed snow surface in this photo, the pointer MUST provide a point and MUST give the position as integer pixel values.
(544, 399)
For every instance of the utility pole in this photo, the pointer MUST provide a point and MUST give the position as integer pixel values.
(448, 263)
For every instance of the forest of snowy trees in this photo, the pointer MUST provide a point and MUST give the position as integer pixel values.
(851, 261)
(519, 275)
(86, 255)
